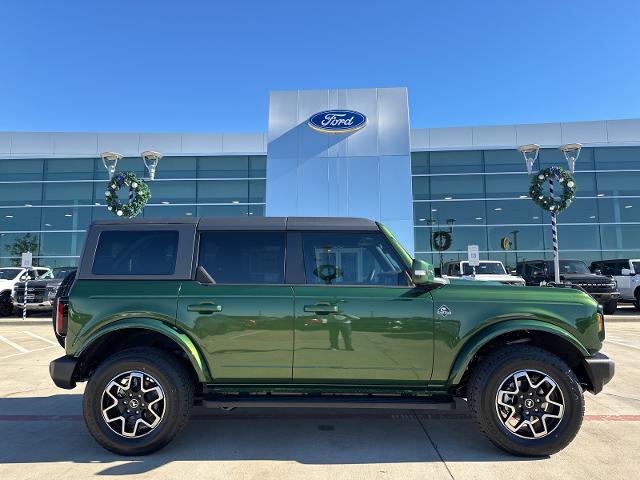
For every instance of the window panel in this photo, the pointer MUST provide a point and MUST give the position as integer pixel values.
(457, 186)
(67, 218)
(617, 158)
(69, 169)
(215, 191)
(21, 169)
(136, 253)
(75, 193)
(619, 236)
(618, 210)
(419, 163)
(455, 162)
(351, 259)
(258, 166)
(223, 167)
(243, 257)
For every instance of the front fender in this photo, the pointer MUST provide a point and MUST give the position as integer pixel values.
(484, 336)
(177, 336)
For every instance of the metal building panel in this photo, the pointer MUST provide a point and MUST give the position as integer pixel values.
(310, 142)
(165, 143)
(419, 138)
(363, 194)
(584, 132)
(242, 143)
(23, 143)
(623, 131)
(364, 142)
(5, 143)
(453, 137)
(75, 144)
(393, 121)
(128, 144)
(281, 189)
(494, 136)
(544, 134)
(201, 143)
(313, 187)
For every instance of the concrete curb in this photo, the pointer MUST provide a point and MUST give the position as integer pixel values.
(27, 322)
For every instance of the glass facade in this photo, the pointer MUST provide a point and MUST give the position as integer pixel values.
(484, 195)
(46, 204)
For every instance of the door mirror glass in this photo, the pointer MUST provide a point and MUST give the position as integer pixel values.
(626, 271)
(422, 272)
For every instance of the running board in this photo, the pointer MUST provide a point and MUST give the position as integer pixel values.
(440, 402)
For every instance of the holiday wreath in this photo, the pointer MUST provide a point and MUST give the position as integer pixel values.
(139, 194)
(549, 202)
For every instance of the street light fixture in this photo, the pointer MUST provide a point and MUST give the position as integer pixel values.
(530, 153)
(110, 160)
(571, 153)
(151, 159)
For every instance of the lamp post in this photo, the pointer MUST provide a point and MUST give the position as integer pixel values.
(110, 160)
(515, 243)
(571, 152)
(151, 158)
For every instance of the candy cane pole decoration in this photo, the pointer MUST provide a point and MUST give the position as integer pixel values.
(554, 236)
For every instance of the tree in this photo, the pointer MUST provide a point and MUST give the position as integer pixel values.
(26, 243)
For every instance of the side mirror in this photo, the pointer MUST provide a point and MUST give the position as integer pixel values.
(422, 272)
(626, 271)
(538, 273)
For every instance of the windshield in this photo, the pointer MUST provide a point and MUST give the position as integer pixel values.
(569, 266)
(485, 268)
(8, 273)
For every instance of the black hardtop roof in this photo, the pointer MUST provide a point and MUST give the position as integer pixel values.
(254, 223)
(551, 261)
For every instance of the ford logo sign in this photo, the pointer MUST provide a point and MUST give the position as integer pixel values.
(337, 121)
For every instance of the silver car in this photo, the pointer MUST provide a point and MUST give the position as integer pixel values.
(626, 272)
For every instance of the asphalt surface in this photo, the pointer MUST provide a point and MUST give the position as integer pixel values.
(42, 434)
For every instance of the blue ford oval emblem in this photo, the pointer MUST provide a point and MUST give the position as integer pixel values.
(337, 121)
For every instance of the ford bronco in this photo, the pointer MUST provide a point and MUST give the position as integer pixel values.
(318, 312)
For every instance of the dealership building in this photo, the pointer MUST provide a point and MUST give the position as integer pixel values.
(359, 157)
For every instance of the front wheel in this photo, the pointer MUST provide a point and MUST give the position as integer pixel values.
(6, 306)
(526, 400)
(137, 401)
(610, 308)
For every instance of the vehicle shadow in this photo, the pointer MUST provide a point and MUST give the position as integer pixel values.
(51, 429)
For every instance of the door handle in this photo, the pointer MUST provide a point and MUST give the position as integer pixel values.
(321, 308)
(206, 308)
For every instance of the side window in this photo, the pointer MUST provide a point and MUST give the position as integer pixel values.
(351, 259)
(243, 257)
(136, 252)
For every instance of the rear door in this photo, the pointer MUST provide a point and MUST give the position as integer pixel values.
(358, 318)
(243, 322)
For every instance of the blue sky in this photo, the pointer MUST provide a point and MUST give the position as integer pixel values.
(155, 65)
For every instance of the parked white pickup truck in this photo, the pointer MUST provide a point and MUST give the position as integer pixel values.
(9, 276)
(487, 271)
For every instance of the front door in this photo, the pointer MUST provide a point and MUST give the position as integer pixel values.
(243, 322)
(358, 319)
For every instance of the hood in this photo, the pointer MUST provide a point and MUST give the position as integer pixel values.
(6, 284)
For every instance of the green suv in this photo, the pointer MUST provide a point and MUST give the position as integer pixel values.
(321, 312)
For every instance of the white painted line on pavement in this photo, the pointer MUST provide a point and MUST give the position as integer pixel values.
(622, 344)
(28, 351)
(14, 345)
(55, 344)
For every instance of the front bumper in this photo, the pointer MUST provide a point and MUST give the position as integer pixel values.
(600, 370)
(62, 372)
(605, 297)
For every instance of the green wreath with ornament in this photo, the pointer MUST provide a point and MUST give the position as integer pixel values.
(139, 195)
(442, 240)
(546, 201)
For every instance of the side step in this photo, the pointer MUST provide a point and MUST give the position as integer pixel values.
(440, 402)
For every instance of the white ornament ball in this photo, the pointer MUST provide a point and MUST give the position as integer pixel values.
(109, 208)
(552, 208)
(570, 184)
(541, 177)
(107, 193)
(114, 186)
(119, 213)
(540, 197)
(561, 180)
(134, 184)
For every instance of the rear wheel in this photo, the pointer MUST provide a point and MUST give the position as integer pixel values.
(526, 400)
(637, 302)
(610, 308)
(137, 401)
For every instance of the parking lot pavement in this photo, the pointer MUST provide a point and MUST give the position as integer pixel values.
(42, 433)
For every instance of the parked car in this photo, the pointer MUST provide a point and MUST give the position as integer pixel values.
(312, 312)
(487, 271)
(40, 291)
(9, 276)
(574, 272)
(626, 272)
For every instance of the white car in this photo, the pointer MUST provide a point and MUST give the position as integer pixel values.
(9, 276)
(626, 272)
(487, 271)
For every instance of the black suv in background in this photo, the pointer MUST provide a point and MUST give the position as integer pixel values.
(574, 272)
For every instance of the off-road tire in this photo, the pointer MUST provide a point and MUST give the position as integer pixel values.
(483, 386)
(610, 308)
(174, 379)
(637, 302)
(6, 306)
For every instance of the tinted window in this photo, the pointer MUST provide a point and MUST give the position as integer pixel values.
(136, 253)
(351, 259)
(243, 257)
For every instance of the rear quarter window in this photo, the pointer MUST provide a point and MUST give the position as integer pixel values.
(142, 252)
